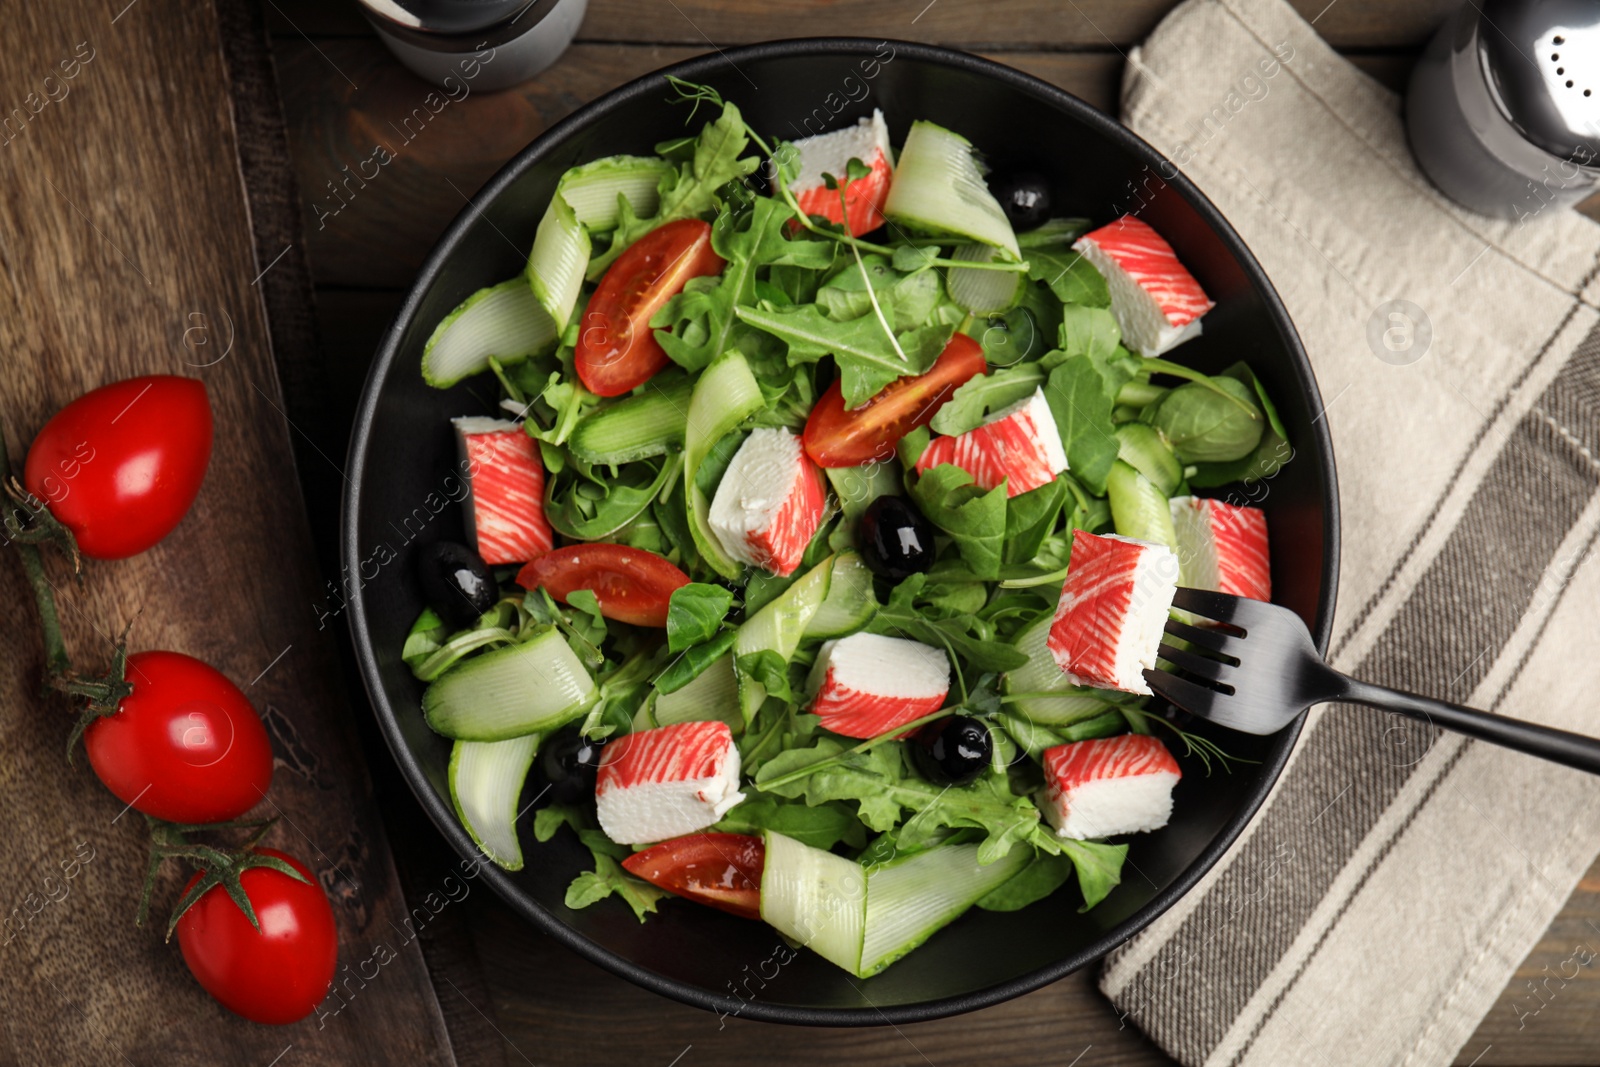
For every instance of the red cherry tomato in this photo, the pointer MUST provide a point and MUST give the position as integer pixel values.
(721, 870)
(835, 437)
(617, 350)
(630, 584)
(278, 974)
(120, 466)
(185, 745)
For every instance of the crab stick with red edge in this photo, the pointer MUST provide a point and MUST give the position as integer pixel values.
(1108, 623)
(770, 502)
(667, 782)
(1019, 446)
(867, 684)
(830, 153)
(504, 509)
(1155, 299)
(1222, 547)
(1109, 786)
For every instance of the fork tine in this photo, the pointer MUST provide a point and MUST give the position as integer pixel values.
(1190, 696)
(1215, 640)
(1209, 670)
(1218, 606)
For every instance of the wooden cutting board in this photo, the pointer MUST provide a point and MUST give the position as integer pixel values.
(126, 246)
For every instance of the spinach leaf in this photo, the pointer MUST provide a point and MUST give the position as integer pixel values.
(1080, 397)
(973, 518)
(1099, 868)
(1243, 373)
(1030, 518)
(769, 670)
(427, 636)
(1054, 232)
(1072, 278)
(1043, 875)
(984, 394)
(695, 659)
(1089, 331)
(820, 826)
(695, 613)
(1215, 423)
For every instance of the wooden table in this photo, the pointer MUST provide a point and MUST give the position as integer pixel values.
(506, 993)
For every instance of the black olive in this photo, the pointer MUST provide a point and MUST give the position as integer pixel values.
(1025, 198)
(455, 582)
(895, 540)
(568, 762)
(951, 751)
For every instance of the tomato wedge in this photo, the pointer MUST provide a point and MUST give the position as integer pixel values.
(720, 870)
(630, 584)
(835, 437)
(617, 350)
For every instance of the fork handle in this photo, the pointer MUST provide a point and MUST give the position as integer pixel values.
(1558, 746)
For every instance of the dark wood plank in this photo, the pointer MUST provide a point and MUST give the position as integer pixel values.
(123, 214)
(1026, 25)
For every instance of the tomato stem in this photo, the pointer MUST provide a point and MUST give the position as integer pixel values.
(56, 659)
(217, 865)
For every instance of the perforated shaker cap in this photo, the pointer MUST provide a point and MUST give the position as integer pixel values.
(449, 16)
(1542, 59)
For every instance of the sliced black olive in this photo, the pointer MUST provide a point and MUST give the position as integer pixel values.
(455, 582)
(1025, 198)
(896, 541)
(568, 763)
(951, 751)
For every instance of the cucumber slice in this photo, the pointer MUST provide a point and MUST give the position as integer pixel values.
(637, 427)
(1138, 508)
(938, 188)
(910, 899)
(983, 292)
(816, 898)
(591, 190)
(850, 602)
(1065, 703)
(725, 396)
(1141, 447)
(485, 783)
(534, 686)
(856, 487)
(560, 256)
(778, 627)
(504, 321)
(712, 696)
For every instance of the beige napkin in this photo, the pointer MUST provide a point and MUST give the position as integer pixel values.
(1381, 901)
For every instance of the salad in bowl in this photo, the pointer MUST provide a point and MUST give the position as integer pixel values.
(827, 500)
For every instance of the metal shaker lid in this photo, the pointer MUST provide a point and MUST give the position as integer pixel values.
(1541, 59)
(448, 16)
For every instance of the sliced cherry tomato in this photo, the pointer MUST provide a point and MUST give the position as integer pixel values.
(120, 466)
(185, 745)
(630, 584)
(617, 350)
(721, 870)
(835, 437)
(277, 974)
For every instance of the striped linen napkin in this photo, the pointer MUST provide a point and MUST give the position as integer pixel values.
(1383, 898)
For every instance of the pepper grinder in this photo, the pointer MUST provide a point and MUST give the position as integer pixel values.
(476, 44)
(1503, 110)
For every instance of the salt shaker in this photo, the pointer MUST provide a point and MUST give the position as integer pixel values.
(1503, 110)
(472, 45)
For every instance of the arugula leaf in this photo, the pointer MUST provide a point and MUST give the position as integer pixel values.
(1072, 278)
(1081, 399)
(608, 876)
(1043, 875)
(687, 667)
(1030, 518)
(589, 508)
(906, 298)
(984, 394)
(867, 360)
(973, 518)
(820, 826)
(1099, 867)
(902, 617)
(695, 613)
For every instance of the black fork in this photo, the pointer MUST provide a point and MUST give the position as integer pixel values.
(1260, 672)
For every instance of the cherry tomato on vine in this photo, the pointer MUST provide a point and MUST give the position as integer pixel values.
(185, 745)
(630, 584)
(120, 465)
(720, 870)
(617, 350)
(277, 974)
(835, 437)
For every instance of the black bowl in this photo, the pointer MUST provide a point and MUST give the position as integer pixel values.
(401, 453)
